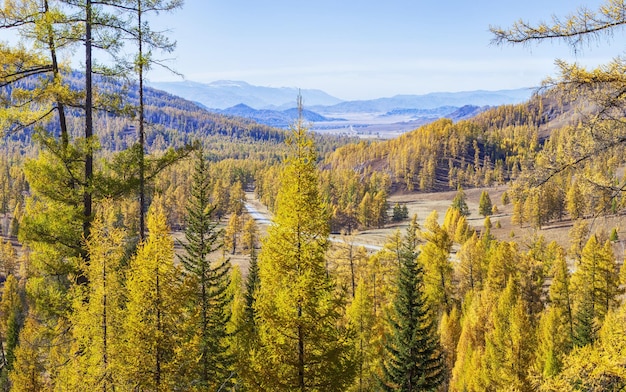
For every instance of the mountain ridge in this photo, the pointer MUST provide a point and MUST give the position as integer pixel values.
(431, 101)
(273, 118)
(224, 94)
(274, 106)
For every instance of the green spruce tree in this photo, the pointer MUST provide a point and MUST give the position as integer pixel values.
(459, 202)
(485, 207)
(413, 359)
(207, 278)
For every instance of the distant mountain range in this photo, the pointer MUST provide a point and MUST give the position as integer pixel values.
(273, 118)
(224, 94)
(275, 106)
(430, 101)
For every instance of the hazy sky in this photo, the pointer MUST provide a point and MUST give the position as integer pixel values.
(367, 49)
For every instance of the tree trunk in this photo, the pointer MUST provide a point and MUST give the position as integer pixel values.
(87, 202)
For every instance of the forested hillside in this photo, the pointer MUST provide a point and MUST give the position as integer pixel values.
(493, 147)
(128, 260)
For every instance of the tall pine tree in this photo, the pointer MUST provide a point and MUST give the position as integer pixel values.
(97, 315)
(152, 314)
(413, 358)
(206, 284)
(302, 345)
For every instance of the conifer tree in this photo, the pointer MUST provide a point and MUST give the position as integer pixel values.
(29, 367)
(503, 259)
(245, 337)
(220, 198)
(449, 334)
(302, 344)
(471, 270)
(363, 321)
(468, 373)
(250, 235)
(518, 216)
(596, 281)
(561, 297)
(578, 237)
(509, 346)
(400, 212)
(484, 204)
(597, 367)
(435, 259)
(232, 233)
(451, 221)
(237, 199)
(8, 259)
(252, 287)
(147, 41)
(207, 281)
(412, 359)
(505, 198)
(151, 322)
(459, 202)
(575, 201)
(553, 343)
(11, 322)
(97, 316)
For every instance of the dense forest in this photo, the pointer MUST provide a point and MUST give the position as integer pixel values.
(128, 260)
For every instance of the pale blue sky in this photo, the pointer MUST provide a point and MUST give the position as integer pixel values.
(367, 49)
(363, 49)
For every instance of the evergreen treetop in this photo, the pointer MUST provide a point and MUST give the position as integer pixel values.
(413, 360)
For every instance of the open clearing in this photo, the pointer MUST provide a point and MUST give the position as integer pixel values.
(423, 204)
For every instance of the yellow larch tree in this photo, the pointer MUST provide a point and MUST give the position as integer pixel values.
(302, 345)
(97, 316)
(152, 313)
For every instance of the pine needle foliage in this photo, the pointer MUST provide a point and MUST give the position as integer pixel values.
(207, 278)
(302, 345)
(413, 359)
(152, 319)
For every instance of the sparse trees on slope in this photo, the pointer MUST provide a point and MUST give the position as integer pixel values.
(413, 359)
